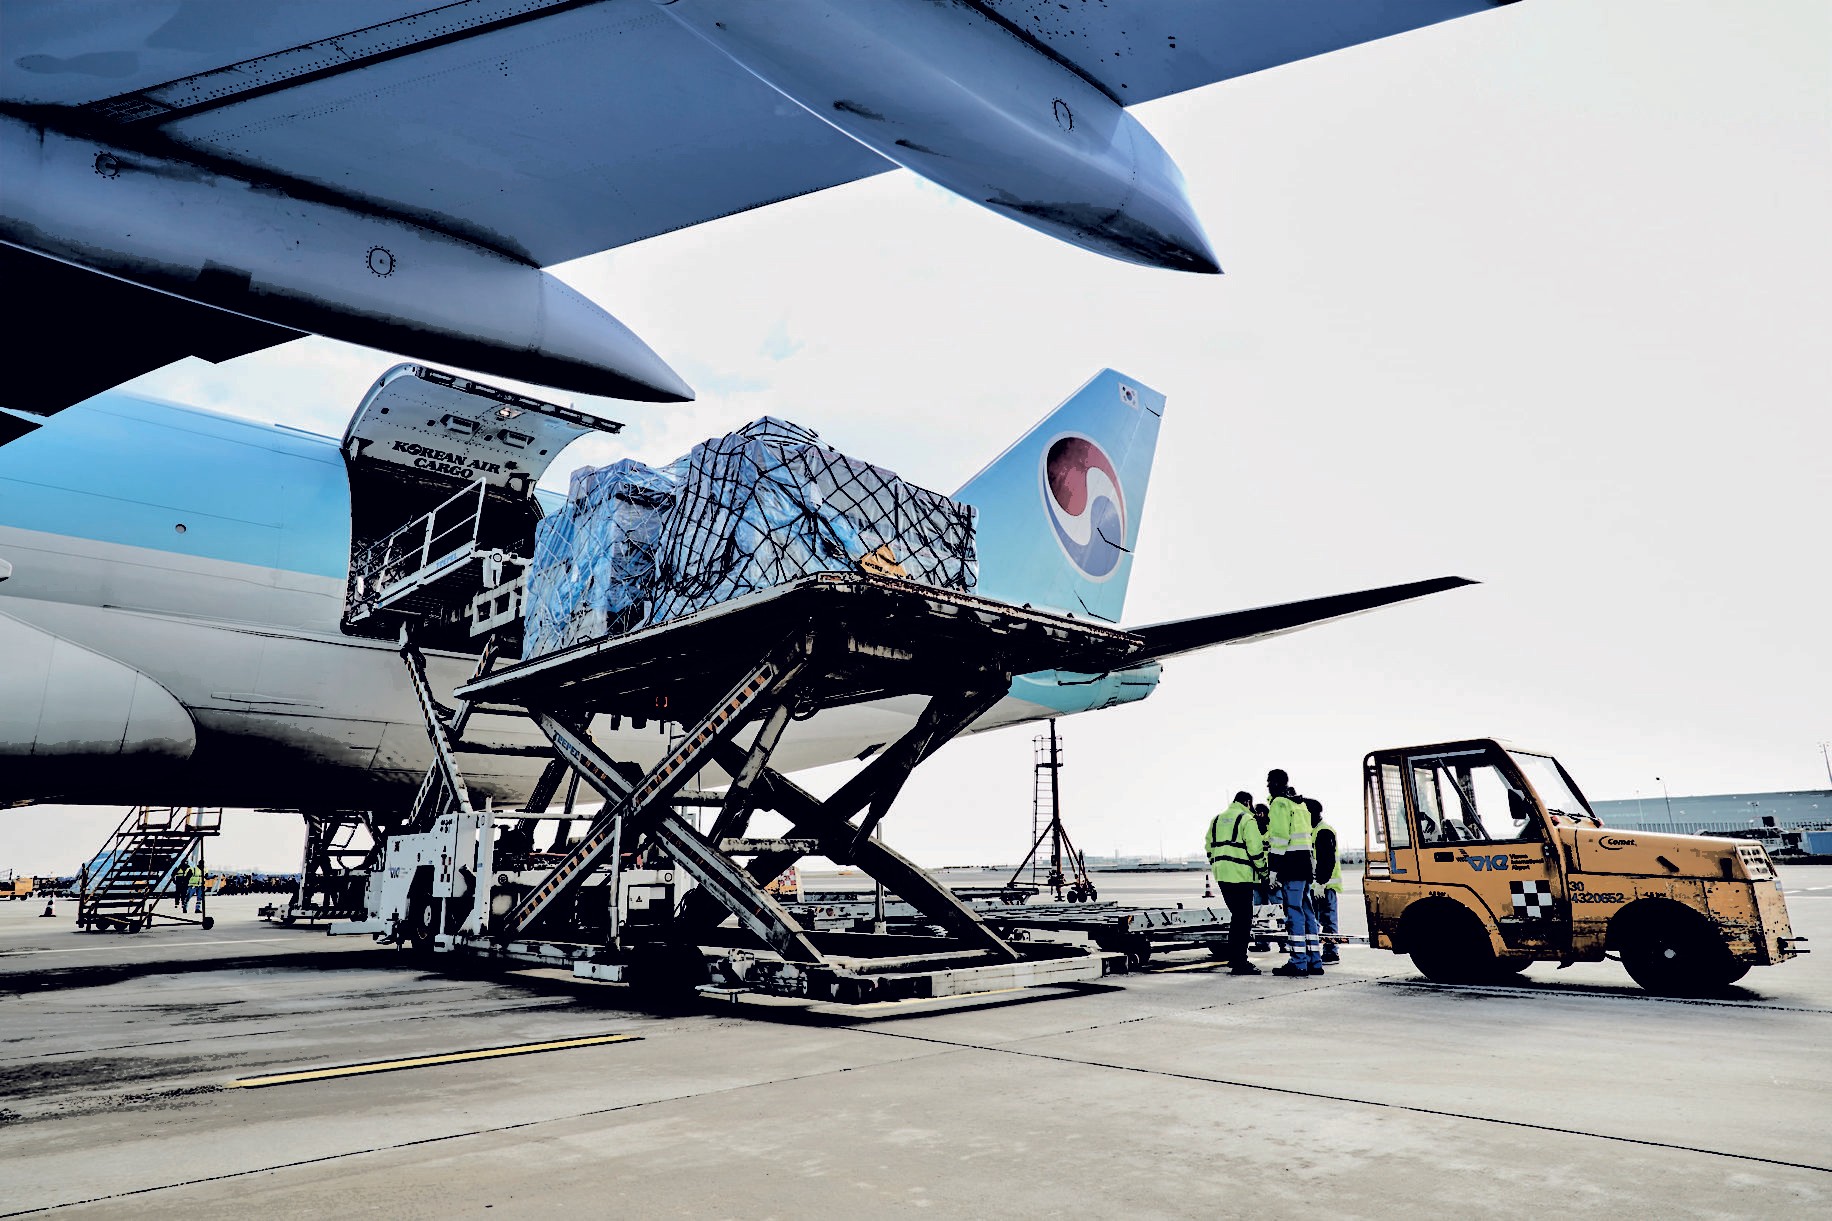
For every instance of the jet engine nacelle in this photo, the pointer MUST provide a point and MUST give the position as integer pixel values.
(313, 264)
(942, 89)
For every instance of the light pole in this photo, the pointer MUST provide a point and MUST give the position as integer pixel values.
(1668, 798)
(1823, 746)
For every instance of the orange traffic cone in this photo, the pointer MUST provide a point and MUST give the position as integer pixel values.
(1208, 888)
(47, 911)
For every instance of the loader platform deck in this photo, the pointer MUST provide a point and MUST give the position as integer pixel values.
(885, 624)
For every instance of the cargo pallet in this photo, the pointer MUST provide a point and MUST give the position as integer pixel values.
(750, 664)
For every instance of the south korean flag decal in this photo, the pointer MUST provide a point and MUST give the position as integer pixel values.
(1129, 396)
(1532, 899)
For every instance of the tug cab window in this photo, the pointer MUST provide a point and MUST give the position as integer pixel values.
(1470, 797)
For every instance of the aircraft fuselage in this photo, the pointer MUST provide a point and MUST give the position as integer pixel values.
(172, 632)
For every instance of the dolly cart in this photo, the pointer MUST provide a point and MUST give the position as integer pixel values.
(735, 677)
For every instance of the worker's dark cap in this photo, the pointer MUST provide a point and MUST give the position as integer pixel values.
(1277, 777)
(1314, 806)
(1244, 797)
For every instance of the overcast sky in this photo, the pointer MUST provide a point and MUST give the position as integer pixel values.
(1538, 297)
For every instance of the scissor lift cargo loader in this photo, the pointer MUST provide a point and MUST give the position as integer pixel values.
(734, 676)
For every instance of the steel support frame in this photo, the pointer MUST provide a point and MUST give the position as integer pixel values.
(326, 867)
(767, 696)
(439, 732)
(643, 807)
(716, 873)
(830, 823)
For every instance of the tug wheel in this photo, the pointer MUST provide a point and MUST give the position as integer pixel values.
(1448, 944)
(1673, 951)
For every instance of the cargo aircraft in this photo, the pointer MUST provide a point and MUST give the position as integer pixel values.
(212, 177)
(181, 621)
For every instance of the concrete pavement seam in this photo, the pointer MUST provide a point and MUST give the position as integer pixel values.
(1368, 1102)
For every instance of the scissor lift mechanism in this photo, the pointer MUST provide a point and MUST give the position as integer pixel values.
(752, 664)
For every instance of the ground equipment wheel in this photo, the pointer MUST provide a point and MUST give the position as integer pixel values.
(209, 923)
(1448, 944)
(1504, 967)
(666, 970)
(1673, 951)
(422, 923)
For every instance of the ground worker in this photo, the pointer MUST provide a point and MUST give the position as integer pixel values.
(1264, 890)
(1288, 842)
(193, 889)
(1237, 856)
(1327, 886)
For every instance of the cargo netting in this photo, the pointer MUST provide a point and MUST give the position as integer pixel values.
(635, 546)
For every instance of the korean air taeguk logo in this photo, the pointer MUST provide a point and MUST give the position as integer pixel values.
(1087, 509)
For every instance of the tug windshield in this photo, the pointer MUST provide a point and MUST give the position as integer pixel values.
(1554, 787)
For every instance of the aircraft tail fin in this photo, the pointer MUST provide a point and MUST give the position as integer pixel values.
(1059, 510)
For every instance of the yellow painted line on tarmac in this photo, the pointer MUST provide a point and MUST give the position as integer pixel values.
(1188, 966)
(456, 1057)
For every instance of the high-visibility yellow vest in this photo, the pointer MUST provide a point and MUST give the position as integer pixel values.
(1335, 875)
(194, 876)
(1237, 853)
(1288, 827)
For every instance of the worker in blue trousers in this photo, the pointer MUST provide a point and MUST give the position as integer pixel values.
(1288, 842)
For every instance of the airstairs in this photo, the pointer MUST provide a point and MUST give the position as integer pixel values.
(140, 865)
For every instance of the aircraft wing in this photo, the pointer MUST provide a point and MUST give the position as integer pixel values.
(1263, 622)
(538, 131)
(115, 329)
(556, 128)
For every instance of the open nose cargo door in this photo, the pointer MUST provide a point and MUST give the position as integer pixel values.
(442, 507)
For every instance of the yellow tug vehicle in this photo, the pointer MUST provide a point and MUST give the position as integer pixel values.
(1483, 858)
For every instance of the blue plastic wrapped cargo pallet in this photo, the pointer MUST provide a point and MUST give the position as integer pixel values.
(635, 545)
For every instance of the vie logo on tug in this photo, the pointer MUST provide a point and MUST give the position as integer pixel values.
(1087, 509)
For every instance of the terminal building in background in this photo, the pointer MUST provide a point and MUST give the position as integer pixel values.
(1796, 822)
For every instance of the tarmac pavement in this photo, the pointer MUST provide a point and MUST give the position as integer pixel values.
(1179, 1091)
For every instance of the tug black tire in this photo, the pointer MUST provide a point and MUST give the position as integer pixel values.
(1449, 945)
(1673, 951)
